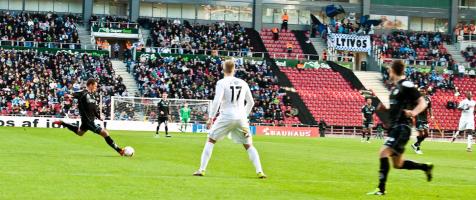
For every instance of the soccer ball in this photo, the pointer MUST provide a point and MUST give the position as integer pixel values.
(128, 151)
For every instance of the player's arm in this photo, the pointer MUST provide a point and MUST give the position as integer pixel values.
(413, 94)
(382, 107)
(219, 93)
(362, 111)
(462, 105)
(249, 101)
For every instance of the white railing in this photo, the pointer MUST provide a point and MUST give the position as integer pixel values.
(231, 53)
(34, 44)
(380, 60)
(102, 24)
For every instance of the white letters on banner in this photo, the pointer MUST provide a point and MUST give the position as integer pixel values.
(346, 42)
(42, 122)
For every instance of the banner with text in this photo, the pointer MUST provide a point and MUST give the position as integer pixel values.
(346, 42)
(287, 131)
(43, 122)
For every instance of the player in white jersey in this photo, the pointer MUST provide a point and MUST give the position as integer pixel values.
(230, 96)
(466, 122)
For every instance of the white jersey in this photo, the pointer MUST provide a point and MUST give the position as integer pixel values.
(468, 109)
(230, 96)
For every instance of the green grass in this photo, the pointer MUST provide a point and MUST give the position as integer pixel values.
(56, 164)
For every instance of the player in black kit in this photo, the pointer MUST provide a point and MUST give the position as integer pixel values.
(88, 109)
(405, 103)
(368, 119)
(163, 114)
(422, 122)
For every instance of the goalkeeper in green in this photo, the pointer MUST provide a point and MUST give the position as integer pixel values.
(185, 112)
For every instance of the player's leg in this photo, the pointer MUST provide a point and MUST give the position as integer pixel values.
(217, 132)
(240, 133)
(105, 134)
(364, 130)
(397, 157)
(166, 129)
(469, 140)
(255, 159)
(187, 120)
(206, 155)
(369, 133)
(461, 127)
(75, 129)
(158, 128)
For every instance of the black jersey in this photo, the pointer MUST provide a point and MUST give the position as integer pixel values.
(87, 105)
(368, 113)
(403, 96)
(423, 116)
(163, 106)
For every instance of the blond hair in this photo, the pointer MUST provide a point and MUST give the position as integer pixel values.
(229, 66)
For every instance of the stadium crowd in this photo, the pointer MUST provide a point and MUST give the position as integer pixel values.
(192, 79)
(469, 55)
(184, 38)
(36, 83)
(414, 47)
(111, 22)
(27, 28)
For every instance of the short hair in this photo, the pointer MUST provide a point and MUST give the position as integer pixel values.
(398, 67)
(91, 81)
(229, 66)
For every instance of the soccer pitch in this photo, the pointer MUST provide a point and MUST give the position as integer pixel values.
(56, 164)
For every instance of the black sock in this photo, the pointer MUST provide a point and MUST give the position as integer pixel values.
(420, 139)
(112, 144)
(410, 165)
(166, 130)
(383, 173)
(157, 130)
(71, 127)
(368, 137)
(363, 135)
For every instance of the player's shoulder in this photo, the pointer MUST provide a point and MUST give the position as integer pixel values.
(408, 84)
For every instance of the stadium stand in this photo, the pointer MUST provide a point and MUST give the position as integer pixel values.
(36, 84)
(327, 95)
(190, 79)
(279, 48)
(39, 30)
(469, 55)
(414, 46)
(185, 38)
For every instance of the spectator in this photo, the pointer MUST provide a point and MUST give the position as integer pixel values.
(116, 49)
(461, 70)
(322, 128)
(53, 77)
(39, 30)
(472, 73)
(285, 18)
(289, 48)
(275, 33)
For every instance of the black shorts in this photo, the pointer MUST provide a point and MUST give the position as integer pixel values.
(90, 126)
(163, 119)
(367, 124)
(398, 137)
(422, 125)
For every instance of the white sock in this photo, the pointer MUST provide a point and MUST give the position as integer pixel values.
(206, 154)
(254, 157)
(470, 141)
(456, 134)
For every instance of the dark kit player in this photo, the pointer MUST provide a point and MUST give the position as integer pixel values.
(422, 123)
(405, 103)
(368, 119)
(88, 109)
(163, 114)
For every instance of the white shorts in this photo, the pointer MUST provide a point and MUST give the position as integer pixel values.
(237, 129)
(466, 125)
